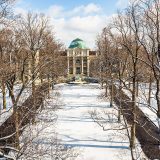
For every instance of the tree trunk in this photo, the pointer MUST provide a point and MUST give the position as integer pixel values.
(33, 74)
(15, 116)
(133, 127)
(132, 142)
(120, 104)
(41, 80)
(150, 90)
(158, 103)
(48, 78)
(137, 88)
(106, 91)
(102, 84)
(52, 82)
(132, 154)
(4, 95)
(111, 95)
(16, 121)
(129, 84)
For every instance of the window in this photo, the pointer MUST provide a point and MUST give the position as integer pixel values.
(85, 60)
(85, 70)
(70, 70)
(70, 61)
(78, 61)
(78, 70)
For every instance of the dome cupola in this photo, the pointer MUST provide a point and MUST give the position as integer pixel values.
(78, 43)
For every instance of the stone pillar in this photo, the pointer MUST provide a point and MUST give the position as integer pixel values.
(88, 66)
(74, 66)
(82, 65)
(68, 65)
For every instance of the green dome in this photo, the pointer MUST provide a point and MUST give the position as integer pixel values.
(78, 43)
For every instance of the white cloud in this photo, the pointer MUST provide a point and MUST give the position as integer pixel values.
(122, 3)
(59, 11)
(83, 22)
(92, 8)
(55, 11)
(85, 28)
(19, 10)
(87, 24)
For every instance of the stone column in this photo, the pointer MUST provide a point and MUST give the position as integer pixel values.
(82, 65)
(74, 67)
(68, 65)
(88, 66)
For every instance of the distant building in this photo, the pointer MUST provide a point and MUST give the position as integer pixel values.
(78, 58)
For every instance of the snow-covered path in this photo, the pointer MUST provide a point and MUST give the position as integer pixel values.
(76, 128)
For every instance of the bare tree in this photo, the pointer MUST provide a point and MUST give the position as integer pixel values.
(127, 56)
(28, 48)
(151, 42)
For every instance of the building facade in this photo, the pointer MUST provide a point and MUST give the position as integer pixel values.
(78, 58)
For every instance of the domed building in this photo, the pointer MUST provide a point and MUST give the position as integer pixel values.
(78, 58)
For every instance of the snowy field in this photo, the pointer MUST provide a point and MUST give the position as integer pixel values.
(5, 113)
(67, 117)
(76, 128)
(149, 111)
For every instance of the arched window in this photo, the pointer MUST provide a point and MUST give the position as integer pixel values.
(78, 61)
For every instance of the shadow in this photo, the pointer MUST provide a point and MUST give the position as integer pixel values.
(120, 144)
(77, 95)
(79, 119)
(75, 119)
(76, 87)
(81, 145)
(95, 146)
(66, 106)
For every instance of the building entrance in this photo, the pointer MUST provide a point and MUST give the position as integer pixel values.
(78, 70)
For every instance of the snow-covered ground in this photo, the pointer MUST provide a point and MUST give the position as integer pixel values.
(24, 96)
(142, 99)
(72, 124)
(5, 113)
(149, 111)
(76, 128)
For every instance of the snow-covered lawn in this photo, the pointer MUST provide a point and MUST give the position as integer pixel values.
(72, 124)
(5, 113)
(149, 111)
(76, 128)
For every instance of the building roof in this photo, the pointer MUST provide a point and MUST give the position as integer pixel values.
(78, 43)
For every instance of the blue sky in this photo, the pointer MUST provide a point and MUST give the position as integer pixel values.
(109, 6)
(74, 18)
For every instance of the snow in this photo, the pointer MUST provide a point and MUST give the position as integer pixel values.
(71, 123)
(149, 111)
(24, 96)
(8, 101)
(6, 113)
(76, 128)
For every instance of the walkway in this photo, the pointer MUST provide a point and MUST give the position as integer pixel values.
(76, 128)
